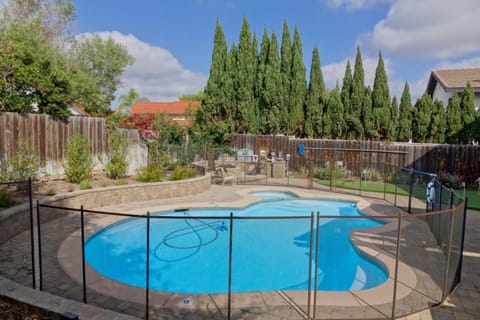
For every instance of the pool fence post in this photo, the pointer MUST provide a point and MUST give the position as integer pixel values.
(310, 256)
(440, 198)
(384, 177)
(84, 281)
(32, 236)
(397, 258)
(396, 188)
(39, 238)
(410, 191)
(449, 253)
(147, 271)
(230, 246)
(317, 252)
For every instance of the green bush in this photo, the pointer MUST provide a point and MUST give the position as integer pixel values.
(450, 180)
(85, 184)
(181, 173)
(23, 165)
(79, 161)
(122, 182)
(151, 173)
(118, 151)
(6, 199)
(325, 172)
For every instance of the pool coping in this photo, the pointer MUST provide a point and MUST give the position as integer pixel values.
(70, 260)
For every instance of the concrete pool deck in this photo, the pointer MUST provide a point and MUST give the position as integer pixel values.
(269, 305)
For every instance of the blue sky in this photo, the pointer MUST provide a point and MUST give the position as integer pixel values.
(172, 41)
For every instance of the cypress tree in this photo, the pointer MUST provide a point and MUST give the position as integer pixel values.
(272, 93)
(438, 125)
(347, 89)
(454, 120)
(231, 88)
(262, 62)
(392, 128)
(405, 115)
(298, 87)
(368, 119)
(214, 94)
(285, 71)
(381, 99)
(358, 86)
(246, 117)
(467, 110)
(334, 125)
(422, 118)
(315, 101)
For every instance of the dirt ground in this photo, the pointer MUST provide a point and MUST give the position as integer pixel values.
(14, 311)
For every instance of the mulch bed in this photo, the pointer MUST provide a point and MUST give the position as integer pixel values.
(10, 310)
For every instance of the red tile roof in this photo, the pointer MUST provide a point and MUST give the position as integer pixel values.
(175, 108)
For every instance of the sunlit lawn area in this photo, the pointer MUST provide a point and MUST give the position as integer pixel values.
(418, 192)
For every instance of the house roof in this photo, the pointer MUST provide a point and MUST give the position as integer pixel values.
(454, 79)
(171, 108)
(76, 110)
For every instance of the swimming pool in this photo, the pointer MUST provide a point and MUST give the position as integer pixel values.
(189, 253)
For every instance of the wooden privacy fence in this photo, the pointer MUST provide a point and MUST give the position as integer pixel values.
(463, 160)
(48, 136)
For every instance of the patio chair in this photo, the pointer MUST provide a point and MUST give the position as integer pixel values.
(221, 176)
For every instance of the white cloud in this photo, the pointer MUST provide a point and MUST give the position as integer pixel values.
(354, 4)
(156, 74)
(429, 28)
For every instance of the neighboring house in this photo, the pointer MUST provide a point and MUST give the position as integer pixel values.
(443, 83)
(76, 110)
(180, 111)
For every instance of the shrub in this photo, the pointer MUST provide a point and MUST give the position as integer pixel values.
(6, 199)
(450, 180)
(371, 174)
(79, 161)
(23, 165)
(181, 173)
(51, 192)
(118, 151)
(324, 173)
(122, 182)
(85, 184)
(151, 173)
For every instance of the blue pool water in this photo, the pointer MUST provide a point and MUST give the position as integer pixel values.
(190, 255)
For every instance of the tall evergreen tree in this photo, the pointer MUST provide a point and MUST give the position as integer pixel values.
(405, 115)
(392, 128)
(334, 125)
(367, 117)
(358, 86)
(230, 106)
(246, 116)
(454, 119)
(422, 118)
(381, 99)
(298, 87)
(286, 74)
(272, 92)
(262, 63)
(438, 125)
(347, 89)
(214, 96)
(467, 110)
(316, 98)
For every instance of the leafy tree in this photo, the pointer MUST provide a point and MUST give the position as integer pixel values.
(229, 110)
(286, 58)
(316, 98)
(104, 60)
(467, 110)
(32, 72)
(272, 92)
(191, 96)
(128, 100)
(246, 120)
(422, 118)
(358, 86)
(298, 87)
(438, 125)
(354, 127)
(347, 89)
(405, 115)
(334, 125)
(214, 93)
(261, 69)
(392, 128)
(454, 122)
(381, 99)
